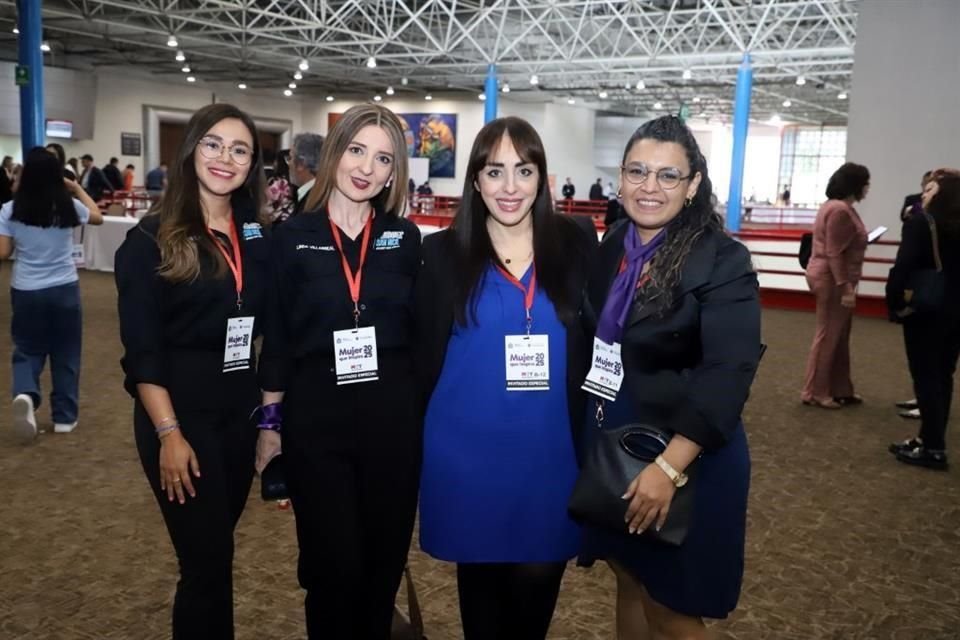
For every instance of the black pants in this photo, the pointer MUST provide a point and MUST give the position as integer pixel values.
(933, 346)
(508, 601)
(202, 529)
(352, 458)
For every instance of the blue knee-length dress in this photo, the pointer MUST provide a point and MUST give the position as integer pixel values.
(498, 465)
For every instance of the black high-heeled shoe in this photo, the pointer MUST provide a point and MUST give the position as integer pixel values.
(849, 401)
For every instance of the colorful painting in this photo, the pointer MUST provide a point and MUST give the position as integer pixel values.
(428, 135)
(433, 136)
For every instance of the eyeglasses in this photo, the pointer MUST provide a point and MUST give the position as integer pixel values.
(212, 148)
(668, 177)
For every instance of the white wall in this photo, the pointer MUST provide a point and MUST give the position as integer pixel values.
(905, 100)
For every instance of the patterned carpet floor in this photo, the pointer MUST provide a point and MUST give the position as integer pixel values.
(843, 542)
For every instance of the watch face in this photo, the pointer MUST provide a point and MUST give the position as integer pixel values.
(682, 480)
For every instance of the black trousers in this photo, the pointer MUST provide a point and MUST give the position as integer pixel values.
(202, 529)
(352, 458)
(508, 601)
(933, 346)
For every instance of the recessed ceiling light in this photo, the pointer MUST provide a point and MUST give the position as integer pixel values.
(506, 87)
(602, 95)
(534, 79)
(45, 46)
(428, 97)
(287, 92)
(242, 85)
(801, 80)
(329, 98)
(304, 65)
(185, 69)
(641, 85)
(390, 91)
(658, 105)
(292, 85)
(191, 79)
(377, 98)
(787, 104)
(298, 76)
(371, 63)
(842, 95)
(180, 56)
(172, 41)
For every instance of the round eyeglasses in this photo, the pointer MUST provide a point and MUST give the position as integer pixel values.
(668, 177)
(211, 148)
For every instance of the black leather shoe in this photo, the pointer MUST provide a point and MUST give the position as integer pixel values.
(923, 457)
(849, 401)
(904, 445)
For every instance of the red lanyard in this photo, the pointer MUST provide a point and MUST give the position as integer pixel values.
(236, 262)
(528, 292)
(353, 280)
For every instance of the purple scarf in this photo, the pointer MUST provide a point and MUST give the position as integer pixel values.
(620, 298)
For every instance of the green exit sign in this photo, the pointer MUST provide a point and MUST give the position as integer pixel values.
(22, 75)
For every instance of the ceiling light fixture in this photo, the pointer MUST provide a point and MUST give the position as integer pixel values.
(329, 98)
(534, 79)
(390, 91)
(571, 100)
(602, 95)
(371, 63)
(641, 85)
(304, 65)
(696, 99)
(172, 41)
(287, 92)
(482, 97)
(377, 98)
(658, 105)
(801, 80)
(298, 76)
(191, 79)
(242, 85)
(404, 81)
(787, 104)
(842, 95)
(687, 74)
(180, 56)
(506, 87)
(185, 68)
(775, 120)
(292, 85)
(428, 97)
(45, 46)
(16, 31)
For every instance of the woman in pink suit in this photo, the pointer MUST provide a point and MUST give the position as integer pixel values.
(835, 267)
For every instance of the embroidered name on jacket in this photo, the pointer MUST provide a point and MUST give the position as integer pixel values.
(252, 230)
(388, 240)
(314, 247)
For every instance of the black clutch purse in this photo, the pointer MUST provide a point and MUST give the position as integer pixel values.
(611, 464)
(273, 482)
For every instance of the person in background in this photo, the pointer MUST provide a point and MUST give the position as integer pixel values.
(932, 338)
(425, 189)
(681, 299)
(113, 175)
(156, 180)
(92, 179)
(191, 277)
(304, 160)
(128, 177)
(6, 180)
(596, 190)
(56, 149)
(834, 270)
(351, 431)
(912, 204)
(45, 289)
(785, 198)
(499, 460)
(280, 201)
(568, 190)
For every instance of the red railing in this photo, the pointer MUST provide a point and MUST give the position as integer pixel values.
(133, 201)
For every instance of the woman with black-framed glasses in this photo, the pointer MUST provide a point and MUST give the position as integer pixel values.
(677, 345)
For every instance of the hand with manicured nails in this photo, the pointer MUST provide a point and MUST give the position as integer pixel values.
(650, 495)
(268, 447)
(177, 461)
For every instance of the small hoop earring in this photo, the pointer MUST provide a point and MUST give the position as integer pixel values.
(688, 202)
(389, 182)
(619, 194)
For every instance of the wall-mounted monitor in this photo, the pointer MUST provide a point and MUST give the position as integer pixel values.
(59, 129)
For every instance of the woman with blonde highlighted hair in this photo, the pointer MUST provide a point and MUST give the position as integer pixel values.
(337, 377)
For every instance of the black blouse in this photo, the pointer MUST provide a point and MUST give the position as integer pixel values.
(313, 298)
(174, 334)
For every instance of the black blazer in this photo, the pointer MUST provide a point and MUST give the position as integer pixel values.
(434, 310)
(916, 253)
(690, 369)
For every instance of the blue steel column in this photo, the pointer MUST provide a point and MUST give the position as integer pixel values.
(490, 91)
(32, 120)
(741, 122)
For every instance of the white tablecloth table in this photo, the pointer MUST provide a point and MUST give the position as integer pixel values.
(101, 242)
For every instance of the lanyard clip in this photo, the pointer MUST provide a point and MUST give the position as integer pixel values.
(239, 302)
(529, 322)
(356, 316)
(599, 414)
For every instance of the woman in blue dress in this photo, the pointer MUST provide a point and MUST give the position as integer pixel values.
(680, 297)
(502, 356)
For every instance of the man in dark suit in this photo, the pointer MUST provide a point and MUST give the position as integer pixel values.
(113, 175)
(568, 190)
(596, 190)
(92, 179)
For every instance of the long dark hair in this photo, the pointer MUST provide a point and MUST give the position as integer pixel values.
(690, 224)
(944, 206)
(182, 234)
(42, 200)
(474, 250)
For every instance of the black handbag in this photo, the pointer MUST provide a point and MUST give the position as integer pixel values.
(610, 465)
(925, 289)
(273, 481)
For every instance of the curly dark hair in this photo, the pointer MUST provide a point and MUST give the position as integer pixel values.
(849, 181)
(693, 220)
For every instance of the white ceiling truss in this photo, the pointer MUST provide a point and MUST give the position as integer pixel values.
(577, 48)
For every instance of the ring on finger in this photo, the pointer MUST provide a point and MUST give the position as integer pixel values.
(177, 480)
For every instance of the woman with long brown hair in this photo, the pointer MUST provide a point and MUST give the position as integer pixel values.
(337, 377)
(192, 280)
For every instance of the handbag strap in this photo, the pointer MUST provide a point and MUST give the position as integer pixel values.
(413, 604)
(936, 243)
